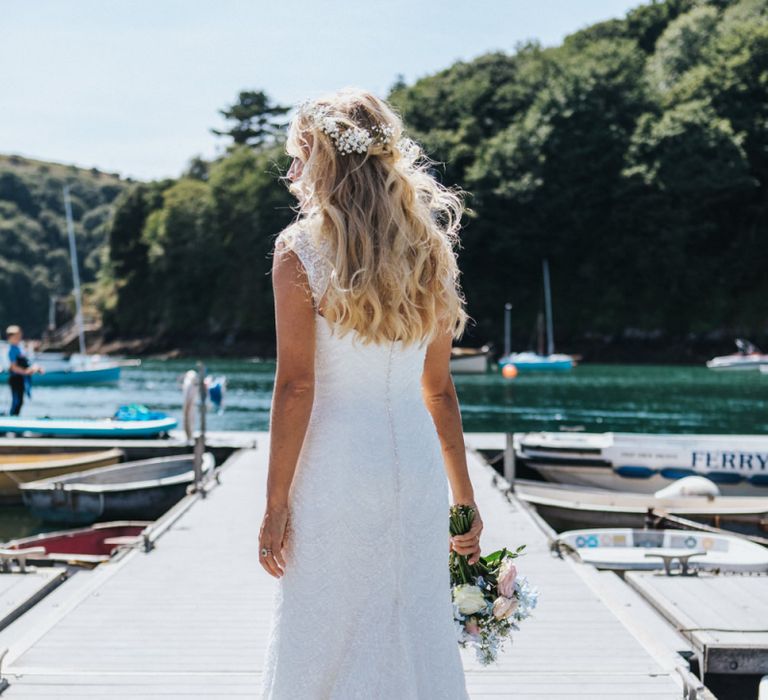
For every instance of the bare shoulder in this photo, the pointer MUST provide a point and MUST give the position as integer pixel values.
(436, 377)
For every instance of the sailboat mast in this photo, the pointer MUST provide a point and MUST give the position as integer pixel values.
(548, 310)
(507, 329)
(75, 271)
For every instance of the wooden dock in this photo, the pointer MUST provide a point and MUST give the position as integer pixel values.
(189, 618)
(724, 617)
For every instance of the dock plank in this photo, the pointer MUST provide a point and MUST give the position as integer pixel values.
(189, 619)
(19, 591)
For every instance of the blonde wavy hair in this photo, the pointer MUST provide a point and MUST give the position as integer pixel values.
(390, 226)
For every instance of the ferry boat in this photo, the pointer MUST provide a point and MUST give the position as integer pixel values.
(646, 463)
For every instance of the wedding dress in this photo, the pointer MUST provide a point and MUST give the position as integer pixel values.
(363, 609)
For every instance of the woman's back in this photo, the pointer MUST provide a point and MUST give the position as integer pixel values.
(356, 525)
(343, 362)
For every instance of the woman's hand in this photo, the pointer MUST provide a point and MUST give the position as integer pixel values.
(468, 544)
(272, 536)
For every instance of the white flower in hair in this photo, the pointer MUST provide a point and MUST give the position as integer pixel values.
(347, 139)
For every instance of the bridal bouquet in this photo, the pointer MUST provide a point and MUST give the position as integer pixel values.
(489, 597)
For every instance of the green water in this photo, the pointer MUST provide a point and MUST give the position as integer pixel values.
(629, 398)
(636, 398)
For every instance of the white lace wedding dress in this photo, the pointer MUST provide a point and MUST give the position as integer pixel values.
(364, 608)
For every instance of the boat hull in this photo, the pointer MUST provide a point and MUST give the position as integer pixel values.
(571, 507)
(42, 466)
(61, 377)
(470, 364)
(83, 507)
(141, 490)
(737, 362)
(639, 463)
(533, 362)
(104, 428)
(92, 544)
(626, 549)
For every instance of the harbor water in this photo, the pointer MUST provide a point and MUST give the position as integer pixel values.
(593, 398)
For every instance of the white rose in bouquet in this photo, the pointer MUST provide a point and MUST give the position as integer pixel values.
(469, 598)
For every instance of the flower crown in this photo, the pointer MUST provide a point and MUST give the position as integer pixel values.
(347, 139)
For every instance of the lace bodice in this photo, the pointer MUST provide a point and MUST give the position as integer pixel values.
(313, 254)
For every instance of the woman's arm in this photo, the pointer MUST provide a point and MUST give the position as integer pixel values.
(442, 403)
(292, 397)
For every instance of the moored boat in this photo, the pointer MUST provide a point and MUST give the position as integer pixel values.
(118, 428)
(566, 507)
(90, 545)
(646, 463)
(749, 357)
(624, 549)
(92, 374)
(16, 469)
(545, 360)
(536, 362)
(470, 360)
(142, 489)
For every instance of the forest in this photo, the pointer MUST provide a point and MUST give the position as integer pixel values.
(634, 157)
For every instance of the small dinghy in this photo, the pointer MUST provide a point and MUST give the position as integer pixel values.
(144, 489)
(566, 507)
(89, 545)
(470, 360)
(22, 467)
(638, 550)
(128, 422)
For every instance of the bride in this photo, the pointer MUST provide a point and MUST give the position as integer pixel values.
(365, 434)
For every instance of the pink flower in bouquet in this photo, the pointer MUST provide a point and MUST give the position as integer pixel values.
(504, 607)
(472, 627)
(506, 580)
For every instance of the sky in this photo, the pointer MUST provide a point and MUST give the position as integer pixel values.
(134, 87)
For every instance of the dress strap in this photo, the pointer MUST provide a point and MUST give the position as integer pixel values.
(313, 256)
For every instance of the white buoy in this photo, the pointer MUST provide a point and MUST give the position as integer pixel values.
(689, 486)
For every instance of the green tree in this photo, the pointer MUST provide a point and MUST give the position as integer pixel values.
(257, 121)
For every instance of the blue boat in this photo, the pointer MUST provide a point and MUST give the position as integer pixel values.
(540, 361)
(534, 362)
(143, 490)
(125, 424)
(88, 374)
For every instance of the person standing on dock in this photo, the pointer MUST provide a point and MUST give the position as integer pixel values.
(19, 369)
(365, 427)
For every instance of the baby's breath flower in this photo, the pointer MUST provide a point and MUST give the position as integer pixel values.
(347, 138)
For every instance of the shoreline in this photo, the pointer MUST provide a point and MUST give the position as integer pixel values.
(623, 351)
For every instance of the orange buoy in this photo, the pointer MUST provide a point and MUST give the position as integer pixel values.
(509, 371)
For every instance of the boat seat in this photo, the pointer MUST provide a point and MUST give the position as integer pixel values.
(122, 539)
(20, 555)
(669, 555)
